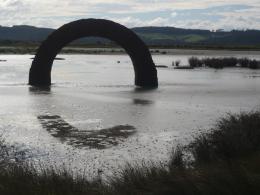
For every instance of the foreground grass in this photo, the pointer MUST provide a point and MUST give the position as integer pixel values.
(223, 161)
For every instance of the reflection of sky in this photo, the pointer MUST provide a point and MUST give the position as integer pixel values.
(233, 14)
(93, 92)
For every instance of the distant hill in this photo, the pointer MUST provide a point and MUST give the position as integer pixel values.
(175, 36)
(156, 36)
(24, 33)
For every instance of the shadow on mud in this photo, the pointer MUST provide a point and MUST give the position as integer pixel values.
(98, 139)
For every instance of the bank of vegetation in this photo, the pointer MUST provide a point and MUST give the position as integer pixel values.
(224, 160)
(224, 62)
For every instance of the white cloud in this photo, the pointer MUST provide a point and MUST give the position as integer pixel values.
(136, 22)
(53, 13)
(173, 14)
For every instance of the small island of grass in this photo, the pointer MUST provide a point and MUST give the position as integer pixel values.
(219, 63)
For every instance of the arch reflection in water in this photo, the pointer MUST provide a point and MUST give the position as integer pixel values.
(99, 139)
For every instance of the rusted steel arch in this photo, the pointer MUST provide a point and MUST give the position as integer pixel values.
(144, 67)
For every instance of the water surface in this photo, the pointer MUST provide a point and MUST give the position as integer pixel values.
(93, 117)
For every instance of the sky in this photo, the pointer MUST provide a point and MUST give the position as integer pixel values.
(195, 14)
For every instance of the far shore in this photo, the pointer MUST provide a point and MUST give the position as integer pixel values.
(120, 51)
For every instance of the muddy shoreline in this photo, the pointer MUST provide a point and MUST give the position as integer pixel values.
(118, 51)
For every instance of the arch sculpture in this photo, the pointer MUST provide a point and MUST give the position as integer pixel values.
(144, 67)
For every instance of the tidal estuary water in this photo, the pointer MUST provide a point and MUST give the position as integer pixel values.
(93, 117)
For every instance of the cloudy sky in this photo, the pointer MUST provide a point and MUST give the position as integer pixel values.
(206, 14)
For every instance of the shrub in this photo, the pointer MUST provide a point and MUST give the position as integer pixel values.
(177, 63)
(233, 137)
(223, 62)
(253, 64)
(243, 62)
(195, 62)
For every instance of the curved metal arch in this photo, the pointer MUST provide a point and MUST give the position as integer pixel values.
(144, 67)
